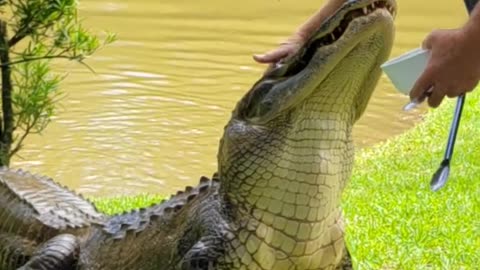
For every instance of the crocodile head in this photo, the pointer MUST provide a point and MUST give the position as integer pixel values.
(287, 150)
(321, 90)
(343, 54)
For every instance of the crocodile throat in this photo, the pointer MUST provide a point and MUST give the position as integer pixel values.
(287, 153)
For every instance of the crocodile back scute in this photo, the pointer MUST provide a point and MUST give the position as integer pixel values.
(153, 237)
(137, 220)
(50, 203)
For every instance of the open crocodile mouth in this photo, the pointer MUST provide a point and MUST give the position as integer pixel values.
(297, 63)
(349, 17)
(260, 103)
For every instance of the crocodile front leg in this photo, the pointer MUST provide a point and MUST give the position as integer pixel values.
(346, 263)
(59, 253)
(204, 254)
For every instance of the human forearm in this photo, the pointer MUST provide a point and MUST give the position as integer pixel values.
(471, 29)
(292, 44)
(307, 28)
(454, 64)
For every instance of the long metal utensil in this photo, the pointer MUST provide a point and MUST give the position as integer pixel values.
(440, 177)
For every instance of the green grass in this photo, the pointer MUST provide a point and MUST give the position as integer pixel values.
(393, 219)
(117, 205)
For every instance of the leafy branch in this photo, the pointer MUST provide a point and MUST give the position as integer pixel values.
(48, 30)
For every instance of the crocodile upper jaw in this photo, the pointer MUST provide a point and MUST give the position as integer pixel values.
(356, 26)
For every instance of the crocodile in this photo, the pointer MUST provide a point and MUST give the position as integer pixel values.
(274, 203)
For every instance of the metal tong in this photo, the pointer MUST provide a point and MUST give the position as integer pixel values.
(440, 177)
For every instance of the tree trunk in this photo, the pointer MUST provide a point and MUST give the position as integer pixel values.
(6, 131)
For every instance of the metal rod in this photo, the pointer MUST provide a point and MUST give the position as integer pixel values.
(440, 177)
(454, 128)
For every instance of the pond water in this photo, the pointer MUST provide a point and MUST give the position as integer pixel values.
(151, 117)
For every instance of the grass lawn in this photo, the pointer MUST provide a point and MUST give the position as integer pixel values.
(393, 219)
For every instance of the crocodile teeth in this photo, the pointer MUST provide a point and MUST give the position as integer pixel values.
(391, 10)
(365, 10)
(332, 36)
(372, 5)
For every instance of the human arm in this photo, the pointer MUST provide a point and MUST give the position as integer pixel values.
(300, 36)
(454, 64)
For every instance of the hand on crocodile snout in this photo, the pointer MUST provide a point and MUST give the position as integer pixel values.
(285, 50)
(453, 67)
(291, 46)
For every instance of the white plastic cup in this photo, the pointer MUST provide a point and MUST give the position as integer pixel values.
(404, 70)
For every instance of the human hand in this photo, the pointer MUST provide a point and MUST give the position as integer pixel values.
(293, 44)
(453, 67)
(285, 50)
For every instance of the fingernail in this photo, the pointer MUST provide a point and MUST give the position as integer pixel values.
(411, 105)
(429, 92)
(417, 101)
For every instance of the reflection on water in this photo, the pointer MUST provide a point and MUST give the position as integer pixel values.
(151, 118)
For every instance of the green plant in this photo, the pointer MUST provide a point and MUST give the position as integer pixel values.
(32, 34)
(394, 220)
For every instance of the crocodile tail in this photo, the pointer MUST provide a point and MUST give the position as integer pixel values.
(46, 201)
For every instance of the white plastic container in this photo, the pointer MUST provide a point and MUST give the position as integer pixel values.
(404, 70)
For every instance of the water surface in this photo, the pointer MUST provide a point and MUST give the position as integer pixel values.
(150, 119)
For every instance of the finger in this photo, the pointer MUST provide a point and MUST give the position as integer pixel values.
(423, 83)
(426, 94)
(453, 92)
(472, 86)
(430, 40)
(271, 56)
(436, 97)
(455, 89)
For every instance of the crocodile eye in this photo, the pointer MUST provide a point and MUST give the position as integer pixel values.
(255, 103)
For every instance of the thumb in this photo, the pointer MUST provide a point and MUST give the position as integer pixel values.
(423, 83)
(272, 56)
(427, 43)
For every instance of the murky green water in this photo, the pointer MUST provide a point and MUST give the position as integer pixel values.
(151, 118)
